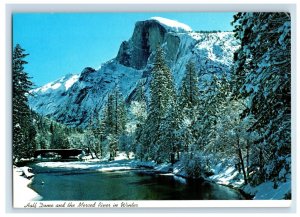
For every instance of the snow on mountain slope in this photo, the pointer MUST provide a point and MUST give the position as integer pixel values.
(71, 81)
(75, 99)
(56, 84)
(75, 104)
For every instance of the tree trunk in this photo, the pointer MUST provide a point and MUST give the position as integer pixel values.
(248, 157)
(261, 165)
(91, 152)
(172, 158)
(241, 160)
(116, 114)
(95, 153)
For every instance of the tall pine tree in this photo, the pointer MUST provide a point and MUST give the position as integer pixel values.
(262, 71)
(162, 98)
(23, 130)
(114, 120)
(189, 96)
(189, 106)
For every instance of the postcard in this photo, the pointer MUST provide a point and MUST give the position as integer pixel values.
(152, 109)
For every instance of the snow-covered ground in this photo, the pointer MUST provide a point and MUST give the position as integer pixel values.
(224, 174)
(266, 191)
(121, 162)
(227, 174)
(92, 165)
(21, 192)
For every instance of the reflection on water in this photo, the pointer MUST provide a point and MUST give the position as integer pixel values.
(80, 184)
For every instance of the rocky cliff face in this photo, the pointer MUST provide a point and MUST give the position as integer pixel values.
(74, 99)
(146, 37)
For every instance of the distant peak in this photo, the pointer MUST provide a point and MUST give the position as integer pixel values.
(172, 25)
(68, 75)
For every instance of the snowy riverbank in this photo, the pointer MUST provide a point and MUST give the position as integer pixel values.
(21, 192)
(228, 175)
(224, 173)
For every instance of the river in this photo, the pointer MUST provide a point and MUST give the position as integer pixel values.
(60, 183)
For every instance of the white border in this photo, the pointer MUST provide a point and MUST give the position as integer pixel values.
(136, 204)
(133, 6)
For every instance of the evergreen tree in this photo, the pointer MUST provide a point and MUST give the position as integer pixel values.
(162, 98)
(262, 71)
(138, 109)
(115, 119)
(115, 113)
(189, 105)
(97, 130)
(120, 112)
(169, 141)
(189, 96)
(23, 130)
(108, 115)
(214, 98)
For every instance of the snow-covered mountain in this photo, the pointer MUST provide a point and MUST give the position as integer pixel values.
(74, 99)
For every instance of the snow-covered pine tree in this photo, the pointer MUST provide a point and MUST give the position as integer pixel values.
(138, 111)
(189, 91)
(169, 143)
(101, 136)
(262, 70)
(115, 113)
(114, 119)
(213, 99)
(108, 117)
(188, 104)
(140, 91)
(23, 130)
(139, 105)
(95, 127)
(162, 97)
(120, 112)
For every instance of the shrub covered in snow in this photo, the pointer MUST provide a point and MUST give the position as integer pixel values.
(194, 165)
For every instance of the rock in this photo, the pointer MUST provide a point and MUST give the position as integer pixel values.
(27, 172)
(86, 97)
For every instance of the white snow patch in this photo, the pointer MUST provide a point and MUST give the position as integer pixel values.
(227, 174)
(21, 192)
(123, 156)
(180, 179)
(172, 25)
(71, 81)
(110, 169)
(49, 86)
(94, 164)
(266, 191)
(167, 174)
(165, 167)
(55, 86)
(62, 164)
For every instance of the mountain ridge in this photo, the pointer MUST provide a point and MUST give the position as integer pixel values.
(74, 99)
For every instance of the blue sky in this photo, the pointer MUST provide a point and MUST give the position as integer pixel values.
(62, 43)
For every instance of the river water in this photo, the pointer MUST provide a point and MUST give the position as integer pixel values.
(86, 184)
